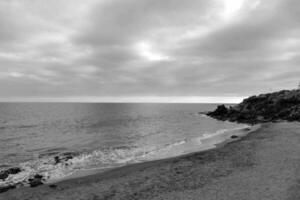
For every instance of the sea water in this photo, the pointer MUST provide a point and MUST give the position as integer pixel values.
(58, 139)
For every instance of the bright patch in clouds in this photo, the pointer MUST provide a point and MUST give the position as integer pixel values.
(15, 74)
(255, 4)
(231, 8)
(146, 50)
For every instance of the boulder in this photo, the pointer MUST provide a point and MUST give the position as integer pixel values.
(53, 186)
(64, 157)
(36, 180)
(5, 173)
(220, 112)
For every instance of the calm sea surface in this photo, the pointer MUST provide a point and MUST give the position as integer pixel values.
(55, 139)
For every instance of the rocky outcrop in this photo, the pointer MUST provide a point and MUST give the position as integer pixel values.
(5, 173)
(282, 105)
(64, 157)
(33, 180)
(36, 180)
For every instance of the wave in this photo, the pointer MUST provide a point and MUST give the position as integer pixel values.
(55, 166)
(222, 131)
(18, 126)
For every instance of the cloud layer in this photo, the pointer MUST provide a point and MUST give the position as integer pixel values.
(148, 48)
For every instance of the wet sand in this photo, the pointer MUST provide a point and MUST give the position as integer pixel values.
(263, 165)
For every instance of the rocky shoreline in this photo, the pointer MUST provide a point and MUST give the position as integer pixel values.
(35, 179)
(262, 165)
(271, 107)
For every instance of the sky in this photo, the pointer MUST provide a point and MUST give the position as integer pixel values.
(147, 50)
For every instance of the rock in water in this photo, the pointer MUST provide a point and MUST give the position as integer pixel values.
(63, 158)
(221, 110)
(5, 173)
(36, 180)
(6, 188)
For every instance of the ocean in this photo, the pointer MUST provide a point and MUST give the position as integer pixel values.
(57, 140)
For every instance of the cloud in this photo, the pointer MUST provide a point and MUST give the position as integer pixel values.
(140, 48)
(259, 29)
(116, 22)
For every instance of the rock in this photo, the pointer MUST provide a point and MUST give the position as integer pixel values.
(56, 159)
(260, 118)
(53, 186)
(38, 176)
(221, 110)
(220, 113)
(5, 173)
(64, 157)
(36, 180)
(6, 188)
(282, 105)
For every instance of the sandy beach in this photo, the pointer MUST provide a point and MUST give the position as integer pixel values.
(150, 100)
(263, 165)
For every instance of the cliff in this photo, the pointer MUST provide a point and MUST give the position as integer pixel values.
(282, 105)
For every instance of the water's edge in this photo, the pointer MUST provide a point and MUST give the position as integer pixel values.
(218, 142)
(50, 170)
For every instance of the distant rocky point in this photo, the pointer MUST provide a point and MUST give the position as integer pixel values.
(282, 105)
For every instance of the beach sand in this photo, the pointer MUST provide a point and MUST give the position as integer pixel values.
(263, 165)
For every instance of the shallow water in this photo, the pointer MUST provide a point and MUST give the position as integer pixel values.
(97, 135)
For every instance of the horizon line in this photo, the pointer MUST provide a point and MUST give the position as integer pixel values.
(132, 99)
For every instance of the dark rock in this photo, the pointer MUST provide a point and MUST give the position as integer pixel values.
(68, 157)
(234, 137)
(38, 176)
(64, 157)
(272, 107)
(6, 188)
(56, 159)
(53, 186)
(5, 173)
(221, 110)
(36, 180)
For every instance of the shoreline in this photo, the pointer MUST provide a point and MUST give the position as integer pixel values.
(198, 144)
(240, 133)
(262, 163)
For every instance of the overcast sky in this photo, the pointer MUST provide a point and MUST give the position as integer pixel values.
(147, 50)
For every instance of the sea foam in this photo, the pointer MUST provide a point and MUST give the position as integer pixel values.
(108, 158)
